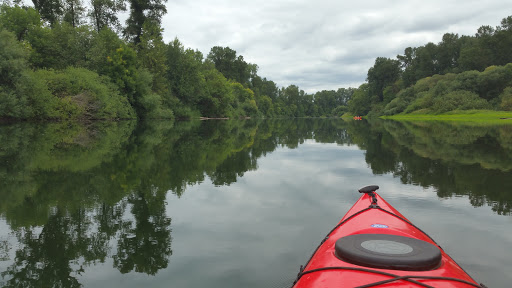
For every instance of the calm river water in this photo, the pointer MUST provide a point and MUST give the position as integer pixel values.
(237, 203)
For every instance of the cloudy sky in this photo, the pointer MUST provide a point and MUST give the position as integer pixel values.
(323, 44)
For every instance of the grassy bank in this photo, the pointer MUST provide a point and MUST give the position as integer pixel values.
(477, 116)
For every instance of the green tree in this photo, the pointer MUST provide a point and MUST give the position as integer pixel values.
(265, 105)
(290, 96)
(406, 63)
(19, 20)
(244, 71)
(329, 103)
(122, 69)
(22, 94)
(103, 13)
(102, 48)
(147, 103)
(474, 55)
(269, 88)
(230, 65)
(74, 12)
(60, 46)
(184, 74)
(152, 56)
(86, 95)
(506, 99)
(135, 83)
(448, 53)
(308, 106)
(359, 104)
(142, 11)
(384, 72)
(425, 61)
(493, 80)
(343, 95)
(506, 24)
(224, 59)
(219, 97)
(13, 59)
(110, 56)
(51, 11)
(503, 41)
(325, 100)
(479, 52)
(12, 65)
(244, 98)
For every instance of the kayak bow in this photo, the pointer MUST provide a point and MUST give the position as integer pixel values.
(375, 246)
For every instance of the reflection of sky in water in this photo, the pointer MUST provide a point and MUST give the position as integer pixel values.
(8, 246)
(258, 231)
(7, 242)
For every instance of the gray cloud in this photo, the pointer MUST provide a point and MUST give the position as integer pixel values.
(322, 44)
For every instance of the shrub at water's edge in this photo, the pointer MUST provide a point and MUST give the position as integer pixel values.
(83, 94)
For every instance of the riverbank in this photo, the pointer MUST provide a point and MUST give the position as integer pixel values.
(475, 116)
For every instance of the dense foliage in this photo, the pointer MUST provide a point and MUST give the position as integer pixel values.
(458, 73)
(103, 75)
(62, 61)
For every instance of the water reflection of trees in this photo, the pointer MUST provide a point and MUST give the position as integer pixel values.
(54, 255)
(71, 192)
(454, 159)
(144, 244)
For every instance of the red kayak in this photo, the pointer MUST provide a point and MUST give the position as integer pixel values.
(376, 246)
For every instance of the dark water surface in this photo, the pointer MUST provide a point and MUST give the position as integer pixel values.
(237, 203)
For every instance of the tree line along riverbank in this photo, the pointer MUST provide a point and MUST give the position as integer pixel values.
(80, 62)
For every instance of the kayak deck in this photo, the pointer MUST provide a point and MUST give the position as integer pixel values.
(374, 224)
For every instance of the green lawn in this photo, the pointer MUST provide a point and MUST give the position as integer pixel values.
(479, 116)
